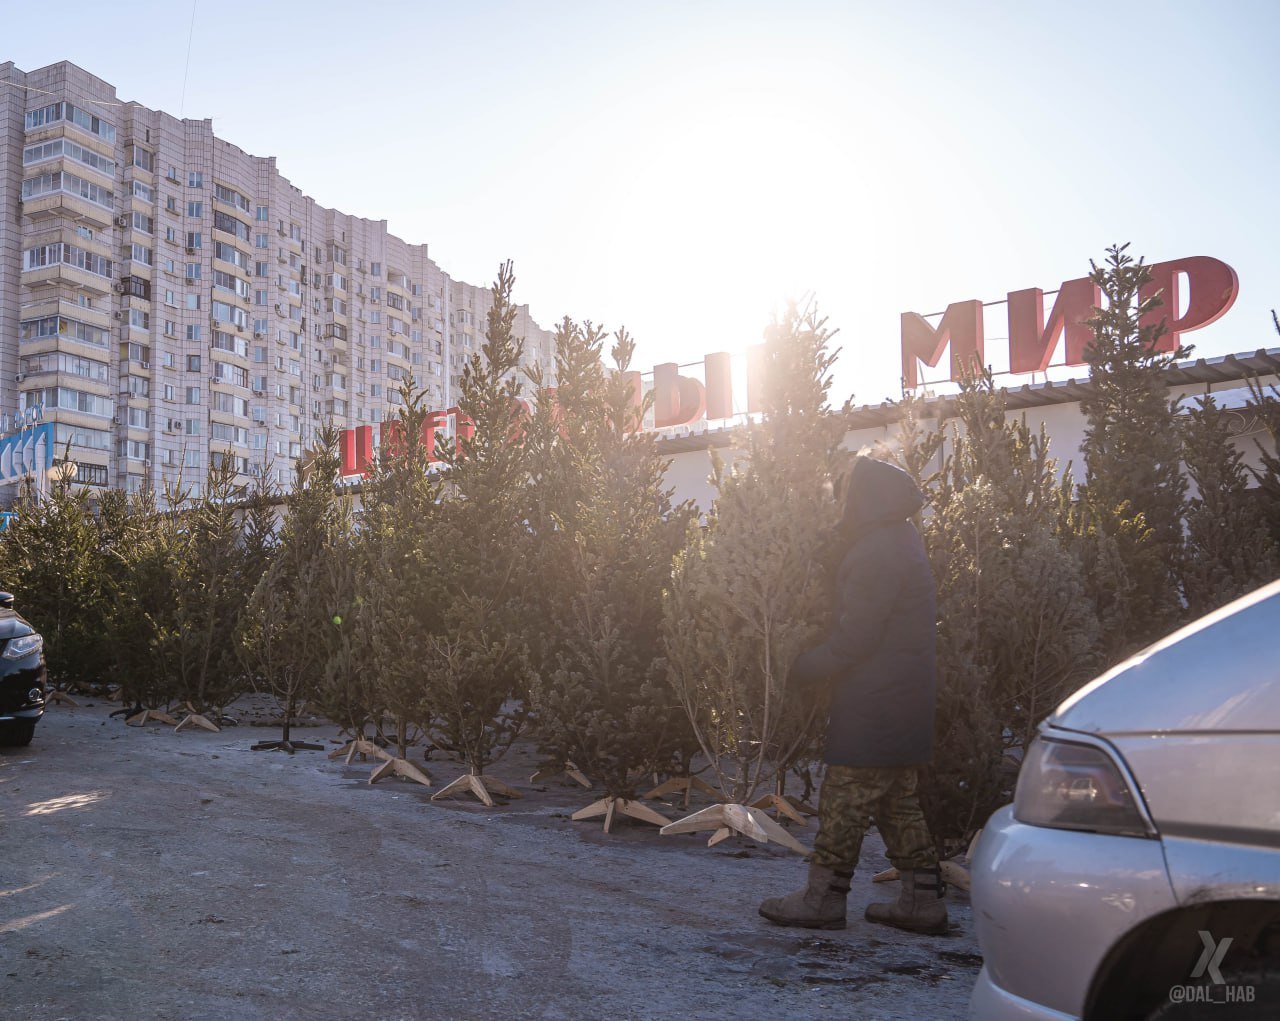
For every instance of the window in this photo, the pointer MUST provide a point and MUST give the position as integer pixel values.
(193, 302)
(70, 400)
(139, 320)
(72, 365)
(260, 269)
(171, 203)
(231, 254)
(68, 184)
(231, 342)
(143, 191)
(224, 313)
(195, 240)
(193, 396)
(67, 112)
(93, 439)
(140, 253)
(195, 209)
(139, 418)
(137, 450)
(66, 147)
(231, 197)
(195, 332)
(61, 326)
(228, 224)
(227, 282)
(144, 223)
(170, 328)
(193, 271)
(52, 255)
(261, 214)
(260, 241)
(171, 235)
(195, 179)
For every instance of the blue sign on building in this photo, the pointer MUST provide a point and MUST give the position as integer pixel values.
(28, 452)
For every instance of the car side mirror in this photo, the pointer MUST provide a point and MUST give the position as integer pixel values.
(6, 600)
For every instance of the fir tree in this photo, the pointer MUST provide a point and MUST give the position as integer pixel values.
(292, 608)
(1134, 490)
(398, 589)
(476, 662)
(1264, 404)
(753, 591)
(1229, 550)
(1016, 630)
(53, 564)
(204, 572)
(607, 533)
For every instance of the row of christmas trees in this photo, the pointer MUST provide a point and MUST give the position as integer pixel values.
(540, 578)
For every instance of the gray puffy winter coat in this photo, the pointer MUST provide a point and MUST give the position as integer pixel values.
(880, 656)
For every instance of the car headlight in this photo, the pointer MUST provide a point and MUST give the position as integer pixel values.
(22, 647)
(1073, 786)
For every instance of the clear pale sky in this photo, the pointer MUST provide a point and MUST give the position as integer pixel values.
(684, 168)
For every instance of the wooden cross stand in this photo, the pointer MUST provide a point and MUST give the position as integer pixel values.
(483, 787)
(195, 719)
(402, 768)
(363, 747)
(729, 819)
(569, 770)
(140, 719)
(612, 806)
(687, 784)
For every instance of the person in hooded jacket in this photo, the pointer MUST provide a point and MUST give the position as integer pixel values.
(880, 663)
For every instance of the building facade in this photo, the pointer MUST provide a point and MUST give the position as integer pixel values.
(168, 301)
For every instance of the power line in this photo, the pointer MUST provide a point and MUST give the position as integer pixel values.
(186, 71)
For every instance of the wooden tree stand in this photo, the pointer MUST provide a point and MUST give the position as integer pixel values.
(483, 787)
(687, 784)
(569, 770)
(782, 806)
(141, 719)
(729, 819)
(612, 806)
(361, 746)
(953, 873)
(402, 768)
(285, 744)
(195, 719)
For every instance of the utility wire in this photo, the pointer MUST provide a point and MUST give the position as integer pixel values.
(186, 73)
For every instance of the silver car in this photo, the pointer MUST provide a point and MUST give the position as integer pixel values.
(1137, 873)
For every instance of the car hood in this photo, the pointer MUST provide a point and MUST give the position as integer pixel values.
(12, 625)
(1220, 673)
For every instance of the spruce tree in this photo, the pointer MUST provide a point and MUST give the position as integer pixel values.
(1016, 629)
(753, 590)
(291, 610)
(398, 590)
(1264, 404)
(1229, 550)
(606, 536)
(204, 573)
(1134, 490)
(476, 661)
(53, 564)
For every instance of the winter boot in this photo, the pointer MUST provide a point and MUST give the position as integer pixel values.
(919, 907)
(820, 905)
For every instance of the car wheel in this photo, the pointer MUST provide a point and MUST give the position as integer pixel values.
(17, 733)
(1250, 995)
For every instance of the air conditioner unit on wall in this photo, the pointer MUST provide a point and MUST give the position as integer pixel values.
(122, 221)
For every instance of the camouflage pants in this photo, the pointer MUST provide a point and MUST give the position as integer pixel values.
(851, 797)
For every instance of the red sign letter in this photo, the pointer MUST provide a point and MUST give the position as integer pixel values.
(1213, 287)
(717, 369)
(961, 325)
(677, 400)
(1032, 340)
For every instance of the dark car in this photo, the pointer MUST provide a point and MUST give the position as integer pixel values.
(22, 676)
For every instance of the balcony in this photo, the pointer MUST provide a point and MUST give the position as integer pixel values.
(69, 206)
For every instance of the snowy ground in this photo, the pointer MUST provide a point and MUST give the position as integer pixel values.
(147, 874)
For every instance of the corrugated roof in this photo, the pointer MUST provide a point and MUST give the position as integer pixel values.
(1223, 369)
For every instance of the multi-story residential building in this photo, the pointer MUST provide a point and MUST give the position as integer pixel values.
(169, 300)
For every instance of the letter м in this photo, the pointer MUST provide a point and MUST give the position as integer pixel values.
(961, 325)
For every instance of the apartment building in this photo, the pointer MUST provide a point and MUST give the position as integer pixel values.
(168, 301)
